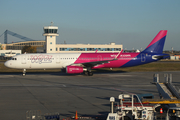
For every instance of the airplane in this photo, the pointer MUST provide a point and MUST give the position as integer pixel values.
(75, 63)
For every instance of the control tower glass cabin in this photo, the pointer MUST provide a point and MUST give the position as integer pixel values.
(50, 33)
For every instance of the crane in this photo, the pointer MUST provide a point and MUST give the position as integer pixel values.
(15, 35)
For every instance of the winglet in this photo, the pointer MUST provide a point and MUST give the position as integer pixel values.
(96, 50)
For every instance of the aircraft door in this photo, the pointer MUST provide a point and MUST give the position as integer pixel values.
(143, 57)
(23, 58)
(58, 59)
(99, 58)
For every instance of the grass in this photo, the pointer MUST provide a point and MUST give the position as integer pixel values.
(147, 68)
(156, 66)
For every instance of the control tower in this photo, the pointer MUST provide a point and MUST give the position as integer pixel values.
(50, 33)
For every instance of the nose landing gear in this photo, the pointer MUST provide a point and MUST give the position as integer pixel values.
(24, 72)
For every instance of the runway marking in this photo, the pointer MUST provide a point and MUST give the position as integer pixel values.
(121, 90)
(5, 76)
(120, 75)
(64, 85)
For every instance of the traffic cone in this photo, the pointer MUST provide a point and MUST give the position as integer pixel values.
(161, 111)
(76, 117)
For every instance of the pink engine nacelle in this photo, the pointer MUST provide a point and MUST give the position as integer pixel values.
(74, 69)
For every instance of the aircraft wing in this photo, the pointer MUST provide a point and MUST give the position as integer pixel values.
(91, 64)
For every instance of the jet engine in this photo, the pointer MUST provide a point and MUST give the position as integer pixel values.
(74, 69)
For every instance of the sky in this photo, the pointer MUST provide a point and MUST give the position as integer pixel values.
(133, 23)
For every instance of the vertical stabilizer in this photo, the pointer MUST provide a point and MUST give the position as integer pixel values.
(157, 44)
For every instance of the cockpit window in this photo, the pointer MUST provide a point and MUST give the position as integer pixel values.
(13, 58)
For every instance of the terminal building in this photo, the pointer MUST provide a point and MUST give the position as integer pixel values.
(49, 44)
(19, 45)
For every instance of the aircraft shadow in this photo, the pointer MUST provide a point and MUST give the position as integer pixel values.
(59, 73)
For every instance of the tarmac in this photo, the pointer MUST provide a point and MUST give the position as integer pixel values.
(65, 94)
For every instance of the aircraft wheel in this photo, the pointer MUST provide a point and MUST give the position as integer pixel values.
(86, 73)
(24, 72)
(90, 74)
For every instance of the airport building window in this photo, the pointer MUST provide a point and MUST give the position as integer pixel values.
(108, 49)
(45, 30)
(103, 49)
(89, 49)
(50, 49)
(50, 30)
(117, 49)
(82, 49)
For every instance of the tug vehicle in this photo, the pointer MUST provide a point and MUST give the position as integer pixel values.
(130, 107)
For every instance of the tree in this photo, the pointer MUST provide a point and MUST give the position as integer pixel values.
(29, 49)
(0, 47)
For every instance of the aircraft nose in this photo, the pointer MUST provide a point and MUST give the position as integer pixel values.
(7, 64)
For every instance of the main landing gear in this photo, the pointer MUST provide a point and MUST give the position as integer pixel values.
(24, 72)
(88, 73)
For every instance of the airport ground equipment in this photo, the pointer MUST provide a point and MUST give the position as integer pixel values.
(168, 93)
(131, 108)
(161, 101)
(166, 89)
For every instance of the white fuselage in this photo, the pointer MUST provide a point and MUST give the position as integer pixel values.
(41, 61)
